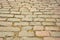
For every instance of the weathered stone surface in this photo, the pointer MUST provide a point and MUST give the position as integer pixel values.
(29, 19)
(9, 29)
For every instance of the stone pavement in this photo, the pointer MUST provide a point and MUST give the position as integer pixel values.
(29, 19)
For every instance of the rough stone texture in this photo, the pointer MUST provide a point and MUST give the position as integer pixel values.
(29, 19)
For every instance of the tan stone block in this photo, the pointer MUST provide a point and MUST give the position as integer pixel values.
(38, 28)
(9, 29)
(12, 12)
(2, 23)
(39, 19)
(2, 19)
(49, 38)
(50, 20)
(21, 23)
(19, 16)
(55, 34)
(35, 23)
(56, 28)
(48, 23)
(42, 33)
(6, 15)
(4, 34)
(13, 19)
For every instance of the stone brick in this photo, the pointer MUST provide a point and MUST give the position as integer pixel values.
(38, 13)
(12, 12)
(31, 16)
(55, 34)
(44, 16)
(42, 33)
(26, 13)
(26, 28)
(13, 19)
(5, 12)
(24, 9)
(12, 38)
(27, 19)
(50, 20)
(14, 9)
(35, 23)
(25, 33)
(6, 15)
(38, 19)
(56, 28)
(38, 28)
(7, 7)
(2, 19)
(9, 29)
(21, 23)
(33, 9)
(5, 23)
(4, 9)
(10, 0)
(19, 16)
(58, 23)
(48, 23)
(55, 16)
(30, 38)
(49, 38)
(3, 34)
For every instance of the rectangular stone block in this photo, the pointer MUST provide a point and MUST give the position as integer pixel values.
(35, 23)
(12, 12)
(4, 34)
(21, 23)
(31, 16)
(13, 19)
(10, 0)
(52, 28)
(26, 13)
(39, 19)
(50, 19)
(38, 28)
(19, 16)
(6, 15)
(31, 38)
(4, 9)
(49, 38)
(14, 9)
(44, 16)
(2, 23)
(48, 23)
(27, 19)
(37, 13)
(58, 23)
(8, 29)
(2, 19)
(25, 33)
(42, 33)
(12, 38)
(55, 34)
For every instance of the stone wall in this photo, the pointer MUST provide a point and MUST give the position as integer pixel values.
(29, 20)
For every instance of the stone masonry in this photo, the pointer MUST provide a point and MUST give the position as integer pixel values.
(29, 19)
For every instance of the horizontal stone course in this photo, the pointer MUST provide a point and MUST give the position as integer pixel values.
(9, 29)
